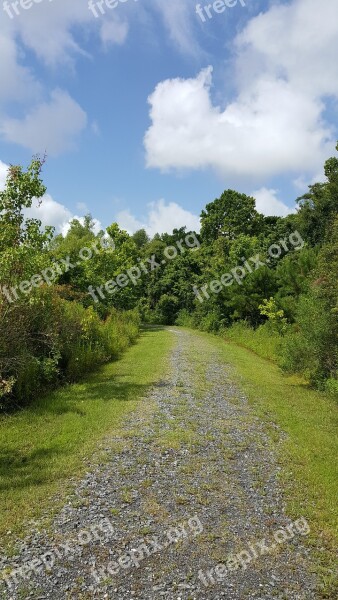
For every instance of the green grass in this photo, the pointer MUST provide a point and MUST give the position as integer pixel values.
(308, 454)
(262, 340)
(42, 447)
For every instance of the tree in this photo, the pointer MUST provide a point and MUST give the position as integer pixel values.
(319, 206)
(23, 245)
(140, 238)
(231, 214)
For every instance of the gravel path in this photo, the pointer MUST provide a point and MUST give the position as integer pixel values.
(188, 485)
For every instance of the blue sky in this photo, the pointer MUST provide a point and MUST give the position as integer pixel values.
(147, 112)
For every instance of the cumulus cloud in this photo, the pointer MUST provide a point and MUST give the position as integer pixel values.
(161, 218)
(21, 85)
(53, 119)
(269, 205)
(49, 30)
(50, 212)
(97, 225)
(50, 126)
(3, 175)
(285, 67)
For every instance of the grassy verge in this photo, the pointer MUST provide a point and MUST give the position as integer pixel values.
(43, 447)
(309, 452)
(261, 340)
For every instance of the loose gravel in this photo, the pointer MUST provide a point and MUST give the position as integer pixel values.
(189, 482)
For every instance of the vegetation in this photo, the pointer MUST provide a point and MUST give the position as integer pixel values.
(308, 451)
(49, 332)
(44, 445)
(73, 303)
(69, 303)
(269, 283)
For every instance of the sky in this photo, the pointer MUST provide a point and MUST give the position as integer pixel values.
(149, 109)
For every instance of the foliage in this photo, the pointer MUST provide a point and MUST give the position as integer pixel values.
(228, 216)
(264, 341)
(50, 336)
(60, 330)
(44, 445)
(275, 315)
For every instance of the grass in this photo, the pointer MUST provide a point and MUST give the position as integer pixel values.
(44, 446)
(309, 452)
(176, 438)
(262, 340)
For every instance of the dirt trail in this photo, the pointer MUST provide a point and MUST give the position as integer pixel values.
(190, 482)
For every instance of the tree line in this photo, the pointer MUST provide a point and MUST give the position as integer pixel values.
(269, 283)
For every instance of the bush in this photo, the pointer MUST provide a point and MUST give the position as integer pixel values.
(185, 319)
(310, 347)
(331, 387)
(49, 340)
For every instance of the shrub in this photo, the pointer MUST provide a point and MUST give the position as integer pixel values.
(185, 319)
(331, 387)
(48, 340)
(310, 347)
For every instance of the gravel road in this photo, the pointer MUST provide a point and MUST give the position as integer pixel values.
(185, 503)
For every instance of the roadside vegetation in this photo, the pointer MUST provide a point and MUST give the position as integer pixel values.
(72, 304)
(302, 424)
(43, 446)
(69, 303)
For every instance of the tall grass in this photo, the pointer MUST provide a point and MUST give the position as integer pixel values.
(49, 340)
(42, 447)
(264, 341)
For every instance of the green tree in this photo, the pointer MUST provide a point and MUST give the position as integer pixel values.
(23, 245)
(140, 238)
(231, 214)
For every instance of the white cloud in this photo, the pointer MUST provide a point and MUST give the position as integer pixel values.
(302, 184)
(161, 218)
(50, 126)
(178, 17)
(3, 175)
(82, 206)
(49, 212)
(52, 118)
(285, 68)
(21, 86)
(47, 28)
(269, 205)
(56, 32)
(114, 32)
(97, 226)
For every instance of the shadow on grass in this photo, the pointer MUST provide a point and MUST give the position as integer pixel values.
(24, 468)
(86, 402)
(107, 390)
(19, 469)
